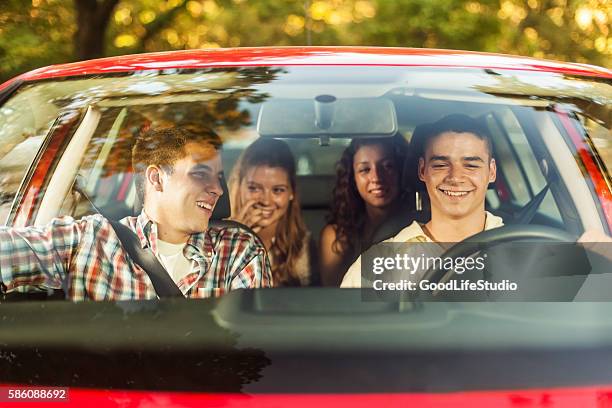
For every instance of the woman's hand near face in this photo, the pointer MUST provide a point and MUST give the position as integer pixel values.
(250, 215)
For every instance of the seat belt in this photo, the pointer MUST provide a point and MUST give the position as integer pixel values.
(163, 284)
(530, 209)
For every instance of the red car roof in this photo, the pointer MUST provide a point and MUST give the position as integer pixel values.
(274, 56)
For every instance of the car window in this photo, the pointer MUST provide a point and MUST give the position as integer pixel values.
(106, 166)
(91, 169)
(518, 166)
(24, 121)
(600, 137)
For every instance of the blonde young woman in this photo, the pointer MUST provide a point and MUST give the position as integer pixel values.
(263, 196)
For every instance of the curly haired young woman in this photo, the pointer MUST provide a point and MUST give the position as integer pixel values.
(367, 192)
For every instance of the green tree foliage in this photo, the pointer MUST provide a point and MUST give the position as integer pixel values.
(572, 30)
(435, 24)
(34, 33)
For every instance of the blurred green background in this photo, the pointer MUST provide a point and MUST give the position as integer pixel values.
(35, 33)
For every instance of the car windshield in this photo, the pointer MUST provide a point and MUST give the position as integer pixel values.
(66, 150)
(231, 101)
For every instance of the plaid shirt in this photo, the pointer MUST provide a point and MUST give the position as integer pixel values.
(86, 259)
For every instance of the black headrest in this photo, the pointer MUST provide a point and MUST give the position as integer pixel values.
(411, 166)
(137, 206)
(222, 209)
(216, 223)
(397, 222)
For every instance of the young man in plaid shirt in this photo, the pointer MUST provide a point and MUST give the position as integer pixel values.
(178, 178)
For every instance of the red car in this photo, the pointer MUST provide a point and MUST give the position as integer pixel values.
(72, 125)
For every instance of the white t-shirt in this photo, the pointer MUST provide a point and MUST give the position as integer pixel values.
(172, 258)
(352, 279)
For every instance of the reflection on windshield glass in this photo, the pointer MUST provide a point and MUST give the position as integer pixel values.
(127, 345)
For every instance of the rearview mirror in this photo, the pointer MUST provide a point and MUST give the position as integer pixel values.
(326, 115)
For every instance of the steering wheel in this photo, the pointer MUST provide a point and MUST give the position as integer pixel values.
(489, 238)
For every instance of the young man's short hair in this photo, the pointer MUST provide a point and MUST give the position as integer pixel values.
(458, 123)
(163, 147)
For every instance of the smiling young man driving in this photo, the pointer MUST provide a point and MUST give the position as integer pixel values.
(456, 165)
(178, 179)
